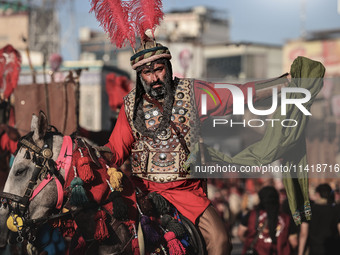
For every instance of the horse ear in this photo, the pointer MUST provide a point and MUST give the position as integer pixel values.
(39, 126)
(34, 127)
(42, 124)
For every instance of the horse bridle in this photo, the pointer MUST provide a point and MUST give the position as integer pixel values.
(44, 165)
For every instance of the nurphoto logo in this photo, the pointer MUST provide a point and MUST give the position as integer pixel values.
(239, 105)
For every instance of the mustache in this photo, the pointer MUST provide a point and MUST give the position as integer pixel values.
(158, 82)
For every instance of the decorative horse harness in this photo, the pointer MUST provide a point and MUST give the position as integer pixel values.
(45, 170)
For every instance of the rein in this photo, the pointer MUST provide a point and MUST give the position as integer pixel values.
(46, 169)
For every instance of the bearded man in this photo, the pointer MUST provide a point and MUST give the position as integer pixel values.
(157, 125)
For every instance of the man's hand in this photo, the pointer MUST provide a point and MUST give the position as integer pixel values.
(105, 152)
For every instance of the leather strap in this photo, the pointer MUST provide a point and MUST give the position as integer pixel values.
(172, 124)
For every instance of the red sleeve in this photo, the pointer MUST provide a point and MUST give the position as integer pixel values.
(223, 103)
(121, 139)
(7, 144)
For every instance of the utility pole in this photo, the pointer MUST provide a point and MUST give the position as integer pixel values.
(303, 32)
(44, 27)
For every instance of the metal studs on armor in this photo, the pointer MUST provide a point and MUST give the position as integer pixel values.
(151, 170)
(172, 117)
(179, 103)
(163, 132)
(168, 178)
(162, 156)
(152, 122)
(180, 95)
(161, 179)
(164, 142)
(155, 113)
(147, 116)
(181, 111)
(160, 118)
(175, 170)
(181, 119)
(174, 178)
(155, 178)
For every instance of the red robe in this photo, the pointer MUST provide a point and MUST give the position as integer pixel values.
(186, 195)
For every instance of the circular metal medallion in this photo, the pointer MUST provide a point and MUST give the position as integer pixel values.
(47, 153)
(181, 119)
(164, 134)
(162, 156)
(180, 95)
(152, 122)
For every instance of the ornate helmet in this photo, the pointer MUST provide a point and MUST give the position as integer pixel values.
(148, 52)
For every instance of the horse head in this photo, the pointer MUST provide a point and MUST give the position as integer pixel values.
(33, 165)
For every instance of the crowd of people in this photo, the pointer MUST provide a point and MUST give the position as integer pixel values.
(257, 212)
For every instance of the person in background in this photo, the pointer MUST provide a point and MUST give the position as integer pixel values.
(321, 235)
(265, 229)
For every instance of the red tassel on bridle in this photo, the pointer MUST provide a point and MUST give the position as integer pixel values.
(113, 16)
(102, 232)
(174, 245)
(84, 169)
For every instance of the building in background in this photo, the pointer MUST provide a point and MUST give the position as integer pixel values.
(33, 25)
(199, 42)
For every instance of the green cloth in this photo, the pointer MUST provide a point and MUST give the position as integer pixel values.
(287, 143)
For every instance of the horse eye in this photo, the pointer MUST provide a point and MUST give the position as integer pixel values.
(20, 171)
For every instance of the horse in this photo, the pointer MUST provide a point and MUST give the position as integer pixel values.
(39, 189)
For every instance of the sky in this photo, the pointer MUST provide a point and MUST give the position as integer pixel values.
(263, 21)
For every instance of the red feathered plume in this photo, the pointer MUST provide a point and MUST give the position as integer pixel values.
(113, 16)
(10, 61)
(146, 14)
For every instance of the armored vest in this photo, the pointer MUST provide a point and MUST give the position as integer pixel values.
(162, 160)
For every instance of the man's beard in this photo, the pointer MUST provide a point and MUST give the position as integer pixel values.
(157, 93)
(166, 92)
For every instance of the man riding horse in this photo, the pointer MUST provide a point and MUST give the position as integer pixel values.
(159, 120)
(156, 126)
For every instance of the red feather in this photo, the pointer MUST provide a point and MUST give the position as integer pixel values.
(146, 14)
(10, 62)
(113, 16)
